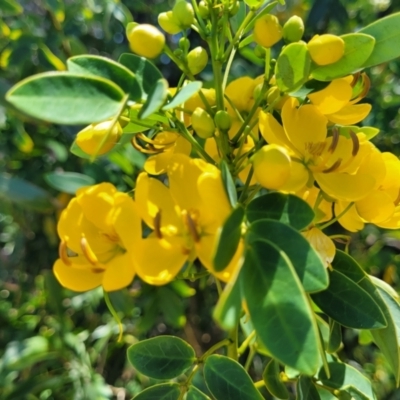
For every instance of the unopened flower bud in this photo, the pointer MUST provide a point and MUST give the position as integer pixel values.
(197, 60)
(169, 23)
(326, 49)
(202, 123)
(90, 138)
(145, 40)
(178, 52)
(267, 30)
(272, 166)
(183, 13)
(293, 29)
(184, 44)
(125, 118)
(259, 51)
(234, 8)
(222, 120)
(203, 10)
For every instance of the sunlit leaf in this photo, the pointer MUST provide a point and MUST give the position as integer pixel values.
(68, 182)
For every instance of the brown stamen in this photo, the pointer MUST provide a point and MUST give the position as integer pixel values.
(138, 147)
(88, 252)
(97, 270)
(335, 140)
(157, 225)
(191, 226)
(63, 253)
(356, 143)
(397, 201)
(333, 167)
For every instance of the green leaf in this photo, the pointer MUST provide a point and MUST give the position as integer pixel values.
(226, 379)
(68, 182)
(147, 74)
(286, 208)
(10, 8)
(25, 194)
(164, 391)
(292, 67)
(229, 183)
(155, 99)
(335, 337)
(228, 239)
(273, 383)
(229, 307)
(358, 47)
(387, 36)
(184, 94)
(65, 98)
(196, 394)
(345, 377)
(369, 131)
(325, 394)
(306, 389)
(349, 304)
(309, 266)
(108, 69)
(279, 308)
(163, 357)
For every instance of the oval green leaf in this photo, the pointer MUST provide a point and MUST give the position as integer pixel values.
(229, 238)
(309, 266)
(386, 33)
(155, 99)
(10, 8)
(335, 336)
(65, 98)
(184, 94)
(292, 67)
(163, 357)
(306, 389)
(108, 69)
(358, 47)
(195, 394)
(286, 208)
(147, 74)
(273, 383)
(279, 308)
(68, 182)
(349, 304)
(164, 391)
(229, 183)
(226, 379)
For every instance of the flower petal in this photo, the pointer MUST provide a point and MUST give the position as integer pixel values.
(273, 132)
(299, 177)
(351, 114)
(351, 220)
(375, 207)
(119, 273)
(321, 243)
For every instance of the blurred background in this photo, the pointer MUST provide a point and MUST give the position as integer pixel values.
(56, 344)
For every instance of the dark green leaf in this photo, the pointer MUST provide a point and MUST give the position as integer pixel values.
(349, 304)
(229, 238)
(271, 377)
(108, 69)
(68, 182)
(229, 306)
(286, 208)
(229, 184)
(238, 18)
(306, 389)
(387, 35)
(196, 394)
(164, 391)
(184, 94)
(155, 99)
(147, 74)
(358, 47)
(24, 194)
(65, 98)
(344, 377)
(171, 306)
(9, 8)
(325, 394)
(228, 380)
(335, 337)
(292, 67)
(163, 357)
(279, 308)
(308, 264)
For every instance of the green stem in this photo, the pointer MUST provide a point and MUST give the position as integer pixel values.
(114, 314)
(213, 349)
(186, 384)
(232, 351)
(332, 221)
(259, 384)
(246, 343)
(246, 185)
(249, 359)
(228, 68)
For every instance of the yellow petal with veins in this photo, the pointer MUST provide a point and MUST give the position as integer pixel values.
(351, 114)
(333, 98)
(77, 279)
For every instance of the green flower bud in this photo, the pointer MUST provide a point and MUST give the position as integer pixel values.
(267, 30)
(184, 44)
(183, 12)
(259, 51)
(202, 123)
(197, 60)
(293, 29)
(169, 23)
(178, 52)
(222, 120)
(233, 8)
(146, 40)
(203, 10)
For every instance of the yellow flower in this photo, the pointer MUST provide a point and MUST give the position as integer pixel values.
(184, 218)
(145, 40)
(321, 243)
(267, 31)
(332, 161)
(100, 231)
(337, 104)
(326, 49)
